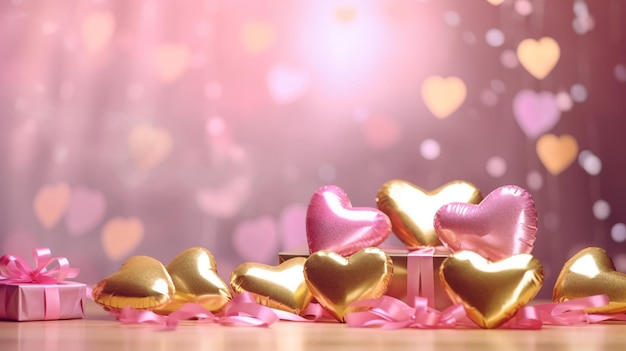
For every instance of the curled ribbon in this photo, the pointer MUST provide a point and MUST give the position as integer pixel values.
(242, 310)
(16, 270)
(570, 312)
(391, 313)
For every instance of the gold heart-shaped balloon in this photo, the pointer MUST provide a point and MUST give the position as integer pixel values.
(412, 209)
(282, 287)
(194, 274)
(491, 292)
(336, 281)
(592, 272)
(142, 282)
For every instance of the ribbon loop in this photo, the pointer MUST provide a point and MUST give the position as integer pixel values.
(390, 313)
(47, 270)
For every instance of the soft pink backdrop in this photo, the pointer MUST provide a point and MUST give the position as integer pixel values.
(147, 127)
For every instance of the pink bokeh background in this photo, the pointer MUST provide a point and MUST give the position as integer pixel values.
(147, 127)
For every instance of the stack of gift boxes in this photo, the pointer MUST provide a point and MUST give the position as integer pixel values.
(460, 252)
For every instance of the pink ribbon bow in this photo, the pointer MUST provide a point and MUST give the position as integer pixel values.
(16, 270)
(390, 313)
(243, 310)
(49, 271)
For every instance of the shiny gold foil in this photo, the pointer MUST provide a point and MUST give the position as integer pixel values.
(194, 274)
(336, 281)
(282, 287)
(491, 292)
(142, 282)
(412, 209)
(592, 272)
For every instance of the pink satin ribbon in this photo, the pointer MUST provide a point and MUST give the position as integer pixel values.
(242, 310)
(391, 313)
(420, 277)
(47, 270)
(16, 270)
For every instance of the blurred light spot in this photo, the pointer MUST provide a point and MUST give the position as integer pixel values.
(60, 153)
(213, 90)
(452, 18)
(620, 72)
(551, 221)
(578, 92)
(496, 167)
(534, 180)
(215, 126)
(287, 84)
(171, 61)
(601, 209)
(590, 162)
(524, 7)
(360, 114)
(619, 261)
(327, 173)
(497, 86)
(40, 88)
(618, 232)
(430, 149)
(345, 14)
(563, 101)
(508, 59)
(582, 25)
(580, 8)
(488, 97)
(469, 37)
(494, 37)
(381, 132)
(48, 28)
(256, 37)
(203, 29)
(134, 91)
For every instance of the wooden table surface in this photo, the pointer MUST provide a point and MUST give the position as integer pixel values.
(98, 331)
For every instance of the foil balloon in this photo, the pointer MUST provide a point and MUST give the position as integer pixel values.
(491, 292)
(412, 209)
(142, 282)
(281, 287)
(592, 272)
(336, 281)
(195, 278)
(333, 224)
(503, 224)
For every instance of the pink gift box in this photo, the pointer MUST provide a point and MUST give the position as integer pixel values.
(36, 302)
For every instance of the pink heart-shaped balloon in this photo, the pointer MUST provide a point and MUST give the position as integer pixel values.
(504, 223)
(333, 224)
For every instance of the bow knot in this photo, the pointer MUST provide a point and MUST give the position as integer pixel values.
(48, 270)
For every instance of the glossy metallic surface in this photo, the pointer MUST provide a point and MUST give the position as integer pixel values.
(412, 209)
(591, 272)
(282, 287)
(194, 273)
(491, 292)
(336, 281)
(142, 282)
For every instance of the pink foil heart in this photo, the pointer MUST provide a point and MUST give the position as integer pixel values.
(504, 223)
(333, 224)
